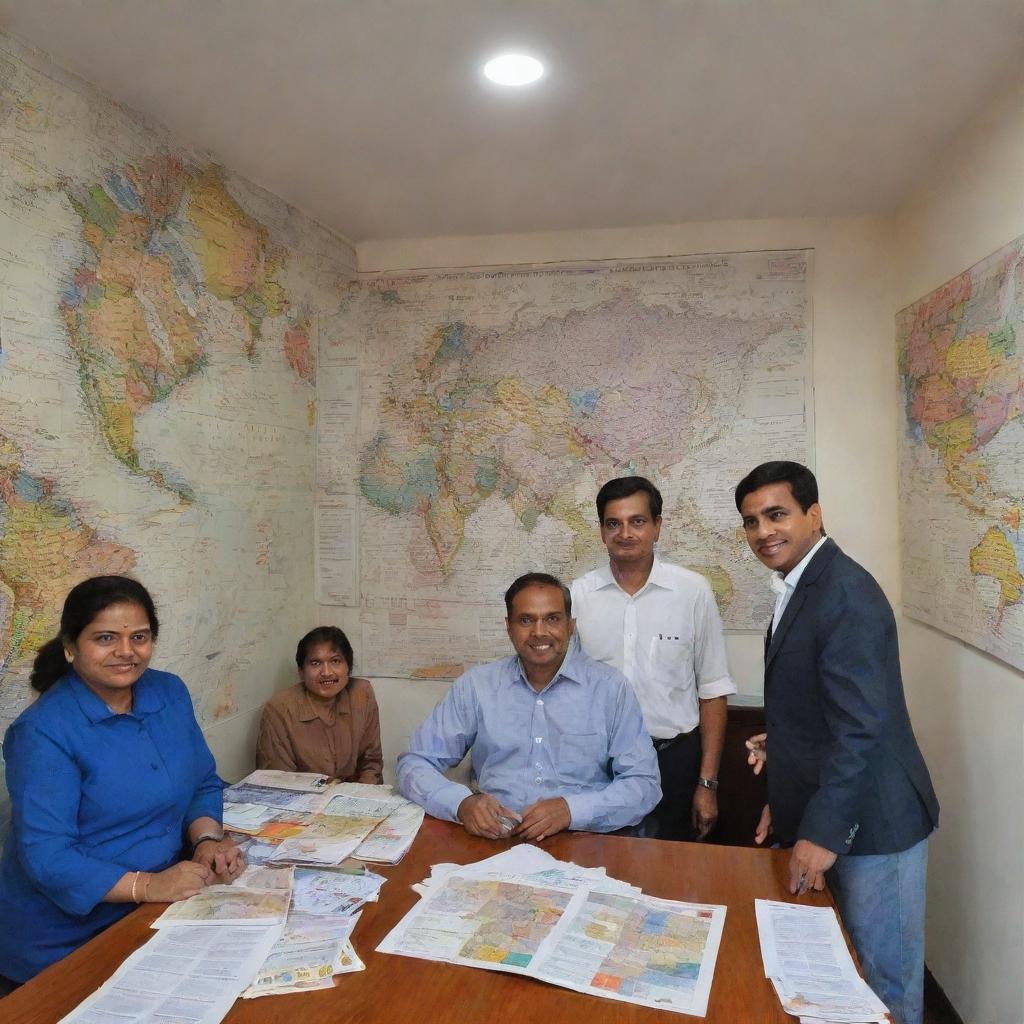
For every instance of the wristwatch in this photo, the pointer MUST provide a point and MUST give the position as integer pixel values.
(214, 836)
(711, 784)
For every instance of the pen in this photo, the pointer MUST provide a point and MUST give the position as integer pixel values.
(802, 886)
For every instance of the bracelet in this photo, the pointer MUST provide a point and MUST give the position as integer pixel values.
(711, 784)
(145, 894)
(135, 882)
(215, 837)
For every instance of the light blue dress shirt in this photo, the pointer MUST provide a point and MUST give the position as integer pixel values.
(94, 794)
(582, 738)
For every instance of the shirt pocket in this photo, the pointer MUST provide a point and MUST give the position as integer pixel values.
(671, 661)
(583, 758)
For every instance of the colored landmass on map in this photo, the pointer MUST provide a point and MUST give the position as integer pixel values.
(962, 375)
(160, 237)
(45, 548)
(460, 425)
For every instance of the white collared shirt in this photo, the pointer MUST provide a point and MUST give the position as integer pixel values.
(666, 639)
(789, 582)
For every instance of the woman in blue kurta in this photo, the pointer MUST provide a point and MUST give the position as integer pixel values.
(115, 797)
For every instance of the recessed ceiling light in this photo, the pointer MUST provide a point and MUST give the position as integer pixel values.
(513, 69)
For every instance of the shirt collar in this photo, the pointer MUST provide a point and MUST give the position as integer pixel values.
(658, 577)
(146, 697)
(792, 578)
(571, 669)
(307, 709)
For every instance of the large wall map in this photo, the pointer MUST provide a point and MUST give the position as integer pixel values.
(480, 411)
(157, 354)
(962, 456)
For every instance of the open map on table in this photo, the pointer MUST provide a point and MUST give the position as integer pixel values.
(576, 931)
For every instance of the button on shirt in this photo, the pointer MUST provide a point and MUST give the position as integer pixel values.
(666, 639)
(94, 794)
(582, 738)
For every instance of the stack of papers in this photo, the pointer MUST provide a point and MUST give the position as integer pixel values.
(807, 961)
(313, 822)
(307, 956)
(333, 893)
(316, 942)
(527, 913)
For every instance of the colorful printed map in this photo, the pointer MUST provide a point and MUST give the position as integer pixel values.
(158, 324)
(492, 405)
(646, 949)
(962, 455)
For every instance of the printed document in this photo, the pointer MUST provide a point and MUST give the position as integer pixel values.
(808, 962)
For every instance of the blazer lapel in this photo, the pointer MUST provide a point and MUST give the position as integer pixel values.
(810, 575)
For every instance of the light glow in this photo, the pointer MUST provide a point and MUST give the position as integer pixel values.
(513, 69)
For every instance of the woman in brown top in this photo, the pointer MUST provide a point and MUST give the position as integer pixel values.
(328, 722)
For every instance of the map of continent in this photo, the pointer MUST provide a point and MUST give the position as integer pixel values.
(493, 405)
(158, 333)
(962, 455)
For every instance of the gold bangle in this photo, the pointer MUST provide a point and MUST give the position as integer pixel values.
(135, 881)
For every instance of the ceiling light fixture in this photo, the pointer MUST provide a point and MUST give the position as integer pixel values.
(513, 69)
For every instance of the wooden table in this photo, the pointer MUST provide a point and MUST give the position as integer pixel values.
(397, 989)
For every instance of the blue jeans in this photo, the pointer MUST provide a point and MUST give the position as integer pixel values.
(881, 898)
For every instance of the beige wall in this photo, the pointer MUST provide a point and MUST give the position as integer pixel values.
(854, 385)
(969, 708)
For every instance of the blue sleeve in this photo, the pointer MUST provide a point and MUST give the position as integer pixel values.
(440, 743)
(635, 788)
(45, 785)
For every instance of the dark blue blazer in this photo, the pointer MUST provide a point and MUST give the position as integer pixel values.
(844, 768)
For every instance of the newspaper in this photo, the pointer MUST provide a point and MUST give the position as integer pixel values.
(311, 950)
(390, 840)
(308, 782)
(327, 892)
(325, 839)
(269, 796)
(808, 963)
(189, 975)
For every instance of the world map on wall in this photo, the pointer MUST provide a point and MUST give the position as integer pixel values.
(157, 362)
(962, 455)
(493, 404)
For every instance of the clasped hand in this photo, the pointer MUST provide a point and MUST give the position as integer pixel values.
(224, 860)
(479, 815)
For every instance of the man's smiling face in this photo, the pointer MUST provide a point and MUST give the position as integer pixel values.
(539, 629)
(778, 530)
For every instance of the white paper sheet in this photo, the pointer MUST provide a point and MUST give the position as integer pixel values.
(189, 975)
(810, 966)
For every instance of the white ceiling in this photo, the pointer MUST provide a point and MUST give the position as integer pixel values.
(371, 116)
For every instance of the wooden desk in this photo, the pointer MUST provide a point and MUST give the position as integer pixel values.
(396, 989)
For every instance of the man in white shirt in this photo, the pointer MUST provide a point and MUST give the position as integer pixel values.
(659, 625)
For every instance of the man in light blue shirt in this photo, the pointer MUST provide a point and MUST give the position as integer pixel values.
(558, 741)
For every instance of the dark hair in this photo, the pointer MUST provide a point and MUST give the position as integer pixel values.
(324, 635)
(625, 487)
(537, 579)
(83, 603)
(800, 479)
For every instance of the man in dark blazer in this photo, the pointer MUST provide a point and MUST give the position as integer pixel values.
(848, 788)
